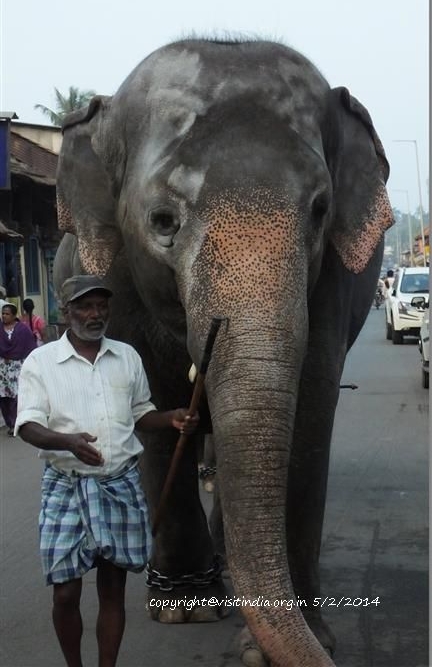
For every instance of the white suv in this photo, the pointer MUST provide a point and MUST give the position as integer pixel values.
(403, 318)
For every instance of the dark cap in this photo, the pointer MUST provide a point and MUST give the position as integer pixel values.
(75, 287)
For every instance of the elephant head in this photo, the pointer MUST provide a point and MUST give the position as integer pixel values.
(226, 176)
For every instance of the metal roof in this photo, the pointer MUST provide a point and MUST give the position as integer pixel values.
(31, 160)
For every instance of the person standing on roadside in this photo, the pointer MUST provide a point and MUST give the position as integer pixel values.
(35, 323)
(80, 400)
(16, 343)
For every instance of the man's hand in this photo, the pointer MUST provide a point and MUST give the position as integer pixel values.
(79, 447)
(49, 440)
(184, 422)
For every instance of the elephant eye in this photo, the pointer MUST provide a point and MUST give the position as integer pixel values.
(320, 207)
(164, 223)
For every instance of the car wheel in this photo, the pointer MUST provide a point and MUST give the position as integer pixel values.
(397, 337)
(388, 331)
(425, 379)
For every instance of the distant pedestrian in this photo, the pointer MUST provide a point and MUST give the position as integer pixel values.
(388, 282)
(16, 343)
(35, 323)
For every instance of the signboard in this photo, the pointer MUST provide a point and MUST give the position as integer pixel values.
(4, 155)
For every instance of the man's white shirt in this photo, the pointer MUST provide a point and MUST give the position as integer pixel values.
(63, 391)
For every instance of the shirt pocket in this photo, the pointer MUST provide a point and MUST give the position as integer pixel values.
(119, 401)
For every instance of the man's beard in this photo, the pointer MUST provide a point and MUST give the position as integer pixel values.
(88, 332)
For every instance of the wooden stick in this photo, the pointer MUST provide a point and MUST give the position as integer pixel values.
(193, 407)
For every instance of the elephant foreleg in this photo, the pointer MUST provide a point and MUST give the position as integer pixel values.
(306, 496)
(216, 523)
(309, 462)
(182, 570)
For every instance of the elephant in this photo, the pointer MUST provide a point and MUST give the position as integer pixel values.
(228, 179)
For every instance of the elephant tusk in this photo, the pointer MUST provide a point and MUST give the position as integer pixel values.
(192, 373)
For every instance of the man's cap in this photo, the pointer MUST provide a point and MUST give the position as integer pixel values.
(75, 287)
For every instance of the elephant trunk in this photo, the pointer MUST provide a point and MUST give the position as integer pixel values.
(253, 401)
(252, 268)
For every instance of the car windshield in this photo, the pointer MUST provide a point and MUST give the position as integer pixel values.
(415, 283)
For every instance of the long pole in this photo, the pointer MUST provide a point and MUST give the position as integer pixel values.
(413, 141)
(398, 249)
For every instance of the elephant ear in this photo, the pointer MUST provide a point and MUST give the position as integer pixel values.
(85, 201)
(359, 169)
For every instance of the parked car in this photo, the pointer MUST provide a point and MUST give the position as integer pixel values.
(424, 340)
(402, 317)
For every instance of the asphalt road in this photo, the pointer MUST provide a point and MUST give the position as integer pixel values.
(375, 542)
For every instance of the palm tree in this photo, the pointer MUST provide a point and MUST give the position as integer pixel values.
(65, 104)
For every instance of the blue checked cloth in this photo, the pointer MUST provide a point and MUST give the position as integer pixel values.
(85, 517)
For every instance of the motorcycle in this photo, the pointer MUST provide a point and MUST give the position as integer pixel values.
(379, 297)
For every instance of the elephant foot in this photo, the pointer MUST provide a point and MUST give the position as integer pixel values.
(189, 605)
(200, 597)
(249, 652)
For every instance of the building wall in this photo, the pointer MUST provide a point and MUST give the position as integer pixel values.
(49, 138)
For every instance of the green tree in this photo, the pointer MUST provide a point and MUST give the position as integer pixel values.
(76, 99)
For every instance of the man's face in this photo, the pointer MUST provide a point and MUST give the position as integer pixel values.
(88, 316)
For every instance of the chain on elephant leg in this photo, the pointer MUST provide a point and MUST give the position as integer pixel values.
(207, 477)
(200, 597)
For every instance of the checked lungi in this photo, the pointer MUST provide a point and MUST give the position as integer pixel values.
(86, 517)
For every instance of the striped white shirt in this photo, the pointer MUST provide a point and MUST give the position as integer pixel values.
(61, 390)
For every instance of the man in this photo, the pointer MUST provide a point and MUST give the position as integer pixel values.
(80, 399)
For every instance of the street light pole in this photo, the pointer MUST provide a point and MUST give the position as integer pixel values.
(398, 245)
(413, 141)
(409, 226)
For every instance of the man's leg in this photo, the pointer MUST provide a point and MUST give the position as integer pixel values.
(111, 582)
(13, 405)
(4, 409)
(9, 411)
(67, 620)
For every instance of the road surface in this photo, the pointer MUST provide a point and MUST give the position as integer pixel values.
(375, 542)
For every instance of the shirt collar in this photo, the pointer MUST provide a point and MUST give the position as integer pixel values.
(67, 350)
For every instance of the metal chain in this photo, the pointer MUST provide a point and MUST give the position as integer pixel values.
(155, 579)
(203, 473)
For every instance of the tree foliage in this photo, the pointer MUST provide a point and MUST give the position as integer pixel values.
(75, 99)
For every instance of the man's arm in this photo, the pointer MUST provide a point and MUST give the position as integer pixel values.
(179, 419)
(76, 443)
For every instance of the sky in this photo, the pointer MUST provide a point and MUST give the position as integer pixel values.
(378, 49)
